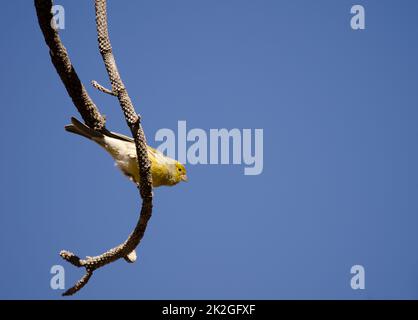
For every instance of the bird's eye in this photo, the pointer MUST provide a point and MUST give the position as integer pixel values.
(179, 169)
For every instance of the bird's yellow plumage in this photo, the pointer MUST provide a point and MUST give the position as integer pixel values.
(165, 171)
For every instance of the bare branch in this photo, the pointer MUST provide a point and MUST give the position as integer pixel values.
(93, 118)
(80, 284)
(132, 118)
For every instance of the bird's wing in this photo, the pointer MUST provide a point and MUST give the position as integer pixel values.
(154, 152)
(158, 156)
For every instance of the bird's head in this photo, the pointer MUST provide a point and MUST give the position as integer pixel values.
(180, 173)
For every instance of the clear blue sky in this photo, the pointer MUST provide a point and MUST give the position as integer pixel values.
(339, 111)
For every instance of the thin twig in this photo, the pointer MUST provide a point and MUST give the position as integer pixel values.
(99, 87)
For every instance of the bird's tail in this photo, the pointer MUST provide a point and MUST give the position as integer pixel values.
(81, 129)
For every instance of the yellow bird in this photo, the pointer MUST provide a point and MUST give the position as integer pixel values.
(165, 171)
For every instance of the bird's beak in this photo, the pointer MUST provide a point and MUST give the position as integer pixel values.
(184, 178)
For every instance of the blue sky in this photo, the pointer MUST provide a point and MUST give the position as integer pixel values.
(339, 112)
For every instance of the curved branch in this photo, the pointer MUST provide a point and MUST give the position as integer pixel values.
(118, 88)
(65, 69)
(93, 118)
